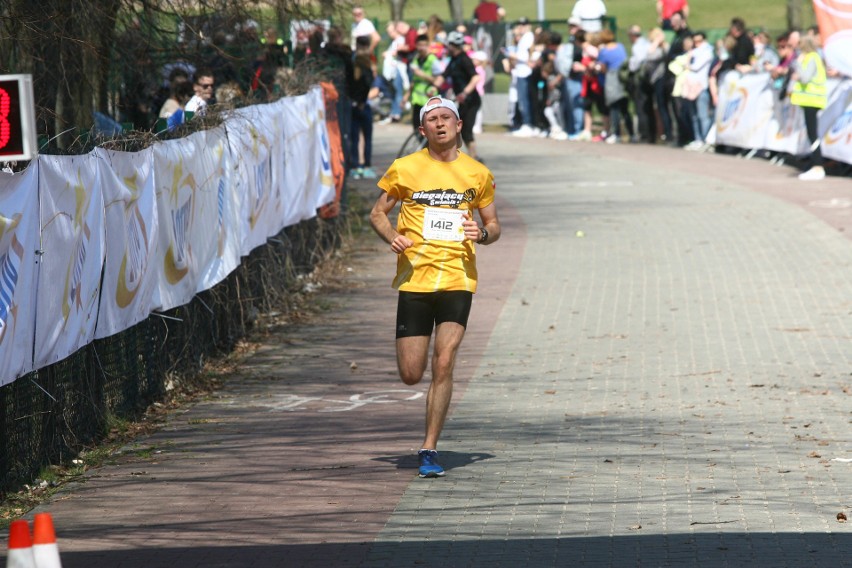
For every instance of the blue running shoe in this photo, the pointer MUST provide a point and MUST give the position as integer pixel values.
(429, 466)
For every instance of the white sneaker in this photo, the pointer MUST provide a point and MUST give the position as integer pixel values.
(559, 135)
(524, 132)
(386, 120)
(694, 146)
(612, 139)
(816, 173)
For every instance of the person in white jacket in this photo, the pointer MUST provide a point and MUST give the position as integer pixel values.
(590, 13)
(697, 90)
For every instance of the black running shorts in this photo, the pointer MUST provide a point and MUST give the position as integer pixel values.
(417, 313)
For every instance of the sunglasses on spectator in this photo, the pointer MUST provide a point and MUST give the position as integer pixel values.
(205, 85)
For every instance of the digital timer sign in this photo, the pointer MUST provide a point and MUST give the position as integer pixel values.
(17, 118)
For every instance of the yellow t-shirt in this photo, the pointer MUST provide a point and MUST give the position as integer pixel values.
(429, 191)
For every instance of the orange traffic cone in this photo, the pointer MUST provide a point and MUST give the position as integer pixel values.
(45, 550)
(20, 546)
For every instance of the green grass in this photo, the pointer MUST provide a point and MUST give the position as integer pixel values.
(705, 14)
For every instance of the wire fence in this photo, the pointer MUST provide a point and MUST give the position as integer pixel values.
(49, 415)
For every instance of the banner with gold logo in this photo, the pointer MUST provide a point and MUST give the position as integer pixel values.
(178, 193)
(18, 270)
(153, 228)
(72, 233)
(309, 182)
(255, 136)
(130, 276)
(216, 237)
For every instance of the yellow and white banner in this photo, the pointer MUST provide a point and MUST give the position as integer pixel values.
(309, 181)
(19, 243)
(72, 234)
(130, 277)
(256, 138)
(751, 114)
(125, 234)
(195, 204)
(217, 238)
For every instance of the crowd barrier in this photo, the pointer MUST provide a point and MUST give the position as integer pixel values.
(91, 245)
(753, 114)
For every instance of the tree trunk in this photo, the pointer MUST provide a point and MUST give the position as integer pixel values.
(794, 14)
(397, 9)
(456, 11)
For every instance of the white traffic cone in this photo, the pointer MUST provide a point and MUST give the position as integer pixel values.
(45, 550)
(20, 546)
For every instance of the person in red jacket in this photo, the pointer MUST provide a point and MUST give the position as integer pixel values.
(488, 12)
(666, 8)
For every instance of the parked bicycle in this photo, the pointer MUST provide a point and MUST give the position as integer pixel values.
(414, 143)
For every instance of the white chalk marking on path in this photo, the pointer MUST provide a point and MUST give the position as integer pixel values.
(294, 402)
(603, 183)
(834, 203)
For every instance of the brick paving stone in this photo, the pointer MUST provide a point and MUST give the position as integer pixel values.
(669, 387)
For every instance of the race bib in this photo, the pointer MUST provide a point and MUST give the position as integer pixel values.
(441, 224)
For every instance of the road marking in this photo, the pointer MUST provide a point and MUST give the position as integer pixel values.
(295, 402)
(603, 184)
(834, 203)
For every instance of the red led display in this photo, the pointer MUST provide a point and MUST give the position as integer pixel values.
(11, 125)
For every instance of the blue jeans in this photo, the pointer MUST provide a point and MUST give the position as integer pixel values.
(572, 106)
(700, 115)
(362, 121)
(523, 86)
(398, 93)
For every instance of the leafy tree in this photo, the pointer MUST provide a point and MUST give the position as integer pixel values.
(86, 55)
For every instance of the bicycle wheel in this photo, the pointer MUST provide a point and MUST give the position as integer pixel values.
(413, 143)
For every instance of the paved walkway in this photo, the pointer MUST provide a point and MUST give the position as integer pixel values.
(657, 374)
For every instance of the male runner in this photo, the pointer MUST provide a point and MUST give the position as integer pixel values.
(439, 188)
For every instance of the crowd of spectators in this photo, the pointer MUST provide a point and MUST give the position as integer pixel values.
(661, 86)
(235, 61)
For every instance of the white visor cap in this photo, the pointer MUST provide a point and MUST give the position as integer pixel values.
(438, 102)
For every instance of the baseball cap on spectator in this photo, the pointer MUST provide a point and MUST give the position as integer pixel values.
(575, 21)
(523, 20)
(455, 38)
(438, 102)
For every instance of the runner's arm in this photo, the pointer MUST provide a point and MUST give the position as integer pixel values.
(382, 225)
(490, 223)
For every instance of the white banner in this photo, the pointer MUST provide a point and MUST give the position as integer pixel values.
(745, 110)
(309, 182)
(751, 114)
(19, 242)
(130, 277)
(255, 136)
(72, 232)
(218, 211)
(836, 124)
(178, 193)
(124, 234)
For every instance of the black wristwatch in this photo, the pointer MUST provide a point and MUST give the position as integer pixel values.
(484, 236)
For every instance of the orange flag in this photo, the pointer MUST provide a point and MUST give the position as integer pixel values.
(335, 142)
(834, 18)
